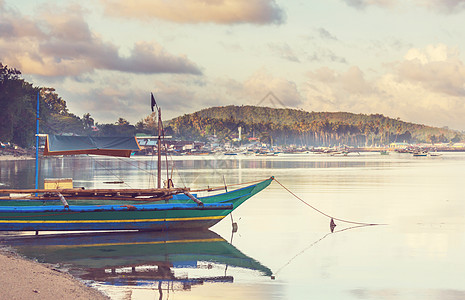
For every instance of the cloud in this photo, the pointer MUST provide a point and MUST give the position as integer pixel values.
(284, 51)
(60, 43)
(227, 91)
(325, 34)
(199, 11)
(444, 6)
(13, 25)
(362, 4)
(262, 82)
(427, 87)
(437, 68)
(113, 95)
(326, 55)
(351, 82)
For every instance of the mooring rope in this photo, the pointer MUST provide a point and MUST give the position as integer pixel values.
(321, 212)
(223, 186)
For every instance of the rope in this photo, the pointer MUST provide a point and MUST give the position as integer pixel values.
(321, 212)
(316, 242)
(136, 165)
(222, 187)
(177, 171)
(108, 170)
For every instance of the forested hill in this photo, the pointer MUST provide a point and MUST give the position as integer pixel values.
(292, 126)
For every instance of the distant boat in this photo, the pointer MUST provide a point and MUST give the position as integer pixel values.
(384, 152)
(230, 153)
(420, 153)
(266, 153)
(434, 154)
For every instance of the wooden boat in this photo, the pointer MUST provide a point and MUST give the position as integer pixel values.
(181, 213)
(164, 208)
(135, 258)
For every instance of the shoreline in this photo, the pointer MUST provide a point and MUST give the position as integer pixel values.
(15, 157)
(22, 278)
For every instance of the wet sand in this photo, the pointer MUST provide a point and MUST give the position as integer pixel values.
(24, 279)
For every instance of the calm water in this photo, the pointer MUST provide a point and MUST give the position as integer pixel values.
(417, 255)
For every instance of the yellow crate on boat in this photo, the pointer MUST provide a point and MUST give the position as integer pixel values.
(58, 183)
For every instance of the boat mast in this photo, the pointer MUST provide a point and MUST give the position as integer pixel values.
(37, 143)
(161, 134)
(160, 124)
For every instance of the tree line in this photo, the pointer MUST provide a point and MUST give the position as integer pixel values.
(18, 100)
(291, 126)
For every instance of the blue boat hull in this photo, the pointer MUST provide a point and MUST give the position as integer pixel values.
(162, 216)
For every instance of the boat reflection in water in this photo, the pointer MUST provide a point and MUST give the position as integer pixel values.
(139, 258)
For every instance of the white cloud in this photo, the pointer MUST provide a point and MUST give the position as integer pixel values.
(427, 87)
(444, 6)
(441, 6)
(351, 82)
(283, 50)
(362, 4)
(325, 34)
(262, 82)
(437, 68)
(60, 43)
(199, 11)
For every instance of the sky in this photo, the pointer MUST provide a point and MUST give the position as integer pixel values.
(400, 58)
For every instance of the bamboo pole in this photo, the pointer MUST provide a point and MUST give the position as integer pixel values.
(138, 192)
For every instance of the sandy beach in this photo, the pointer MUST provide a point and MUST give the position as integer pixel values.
(24, 279)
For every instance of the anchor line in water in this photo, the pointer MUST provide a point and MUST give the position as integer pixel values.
(321, 212)
(316, 242)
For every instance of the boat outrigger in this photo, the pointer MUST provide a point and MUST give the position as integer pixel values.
(76, 209)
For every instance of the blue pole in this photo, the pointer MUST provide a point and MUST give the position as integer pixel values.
(37, 144)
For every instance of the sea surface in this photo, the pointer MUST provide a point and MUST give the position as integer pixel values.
(284, 247)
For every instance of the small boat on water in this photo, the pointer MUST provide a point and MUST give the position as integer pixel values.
(77, 209)
(434, 154)
(420, 153)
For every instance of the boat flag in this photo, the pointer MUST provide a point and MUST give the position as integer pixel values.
(153, 101)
